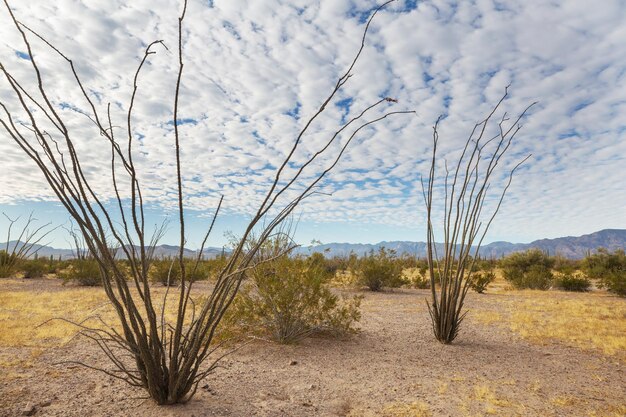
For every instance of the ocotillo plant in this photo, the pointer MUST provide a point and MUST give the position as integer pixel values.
(167, 359)
(464, 223)
(25, 245)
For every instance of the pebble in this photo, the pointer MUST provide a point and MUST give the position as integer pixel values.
(28, 410)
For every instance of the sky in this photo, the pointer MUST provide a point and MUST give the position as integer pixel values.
(256, 71)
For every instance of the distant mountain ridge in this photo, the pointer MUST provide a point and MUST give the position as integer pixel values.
(161, 251)
(572, 247)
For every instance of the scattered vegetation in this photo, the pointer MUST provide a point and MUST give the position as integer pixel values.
(34, 268)
(83, 272)
(378, 270)
(528, 270)
(481, 280)
(165, 271)
(609, 268)
(573, 282)
(413, 409)
(289, 298)
(417, 277)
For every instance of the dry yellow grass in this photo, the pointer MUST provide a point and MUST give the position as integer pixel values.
(26, 316)
(586, 321)
(486, 316)
(565, 401)
(482, 399)
(413, 409)
(612, 411)
(591, 321)
(23, 312)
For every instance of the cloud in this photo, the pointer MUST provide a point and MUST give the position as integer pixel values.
(256, 71)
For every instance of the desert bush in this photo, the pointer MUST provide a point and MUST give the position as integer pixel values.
(482, 264)
(609, 268)
(416, 277)
(564, 265)
(530, 269)
(197, 271)
(481, 280)
(214, 266)
(615, 282)
(538, 277)
(165, 271)
(53, 266)
(83, 272)
(7, 264)
(336, 264)
(408, 261)
(573, 282)
(378, 270)
(288, 299)
(34, 268)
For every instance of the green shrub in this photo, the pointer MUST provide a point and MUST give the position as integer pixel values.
(34, 268)
(564, 265)
(165, 271)
(379, 270)
(615, 282)
(530, 269)
(481, 280)
(538, 277)
(215, 265)
(482, 264)
(609, 268)
(84, 272)
(168, 270)
(53, 266)
(288, 299)
(7, 264)
(573, 282)
(416, 277)
(196, 273)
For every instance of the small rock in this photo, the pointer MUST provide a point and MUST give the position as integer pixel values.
(28, 410)
(46, 403)
(292, 363)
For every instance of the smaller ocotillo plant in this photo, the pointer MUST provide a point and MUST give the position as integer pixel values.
(465, 189)
(26, 244)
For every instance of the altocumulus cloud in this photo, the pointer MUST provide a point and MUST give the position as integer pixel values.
(255, 71)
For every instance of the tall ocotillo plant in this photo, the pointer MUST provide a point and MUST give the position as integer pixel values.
(168, 359)
(465, 225)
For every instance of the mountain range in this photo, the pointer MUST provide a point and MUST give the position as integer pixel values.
(572, 247)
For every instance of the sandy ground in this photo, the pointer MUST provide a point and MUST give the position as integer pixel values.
(392, 367)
